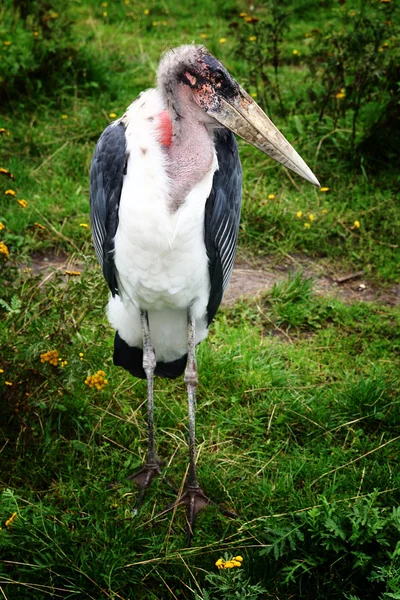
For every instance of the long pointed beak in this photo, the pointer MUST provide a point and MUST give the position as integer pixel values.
(244, 117)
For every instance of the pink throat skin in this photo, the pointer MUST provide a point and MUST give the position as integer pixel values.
(188, 145)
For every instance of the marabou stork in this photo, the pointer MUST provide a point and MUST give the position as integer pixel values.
(165, 192)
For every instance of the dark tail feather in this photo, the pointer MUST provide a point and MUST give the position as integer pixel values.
(131, 359)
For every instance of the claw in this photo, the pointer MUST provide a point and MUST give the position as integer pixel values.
(195, 500)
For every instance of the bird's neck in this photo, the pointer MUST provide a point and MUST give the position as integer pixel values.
(191, 151)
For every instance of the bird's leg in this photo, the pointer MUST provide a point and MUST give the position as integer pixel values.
(152, 466)
(193, 497)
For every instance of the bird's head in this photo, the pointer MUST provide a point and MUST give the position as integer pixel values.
(192, 70)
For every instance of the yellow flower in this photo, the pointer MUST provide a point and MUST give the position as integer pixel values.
(219, 563)
(10, 193)
(340, 95)
(238, 558)
(165, 23)
(112, 115)
(296, 52)
(229, 564)
(105, 13)
(11, 519)
(1, 226)
(243, 14)
(307, 225)
(8, 382)
(252, 38)
(51, 357)
(271, 196)
(253, 95)
(324, 211)
(356, 224)
(7, 173)
(22, 203)
(222, 40)
(7, 43)
(3, 250)
(299, 214)
(311, 217)
(64, 117)
(85, 225)
(324, 189)
(146, 11)
(4, 130)
(35, 33)
(104, 4)
(98, 380)
(204, 36)
(352, 13)
(71, 272)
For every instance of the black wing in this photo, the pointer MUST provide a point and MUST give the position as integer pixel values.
(222, 216)
(106, 178)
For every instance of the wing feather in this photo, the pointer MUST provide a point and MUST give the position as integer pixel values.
(222, 217)
(106, 179)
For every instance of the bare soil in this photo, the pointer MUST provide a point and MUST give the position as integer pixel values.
(251, 279)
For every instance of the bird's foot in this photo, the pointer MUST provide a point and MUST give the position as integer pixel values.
(145, 476)
(195, 500)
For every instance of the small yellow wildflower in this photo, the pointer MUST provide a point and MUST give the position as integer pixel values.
(299, 214)
(35, 33)
(204, 36)
(53, 15)
(271, 196)
(146, 11)
(324, 189)
(4, 130)
(8, 382)
(127, 1)
(7, 173)
(7, 43)
(81, 355)
(155, 23)
(1, 370)
(252, 38)
(104, 4)
(307, 225)
(308, 34)
(242, 14)
(253, 95)
(356, 224)
(165, 23)
(324, 211)
(222, 40)
(105, 13)
(11, 520)
(352, 13)
(311, 217)
(63, 363)
(296, 52)
(67, 272)
(10, 193)
(340, 95)
(84, 225)
(51, 357)
(3, 250)
(229, 564)
(1, 226)
(98, 380)
(22, 203)
(112, 115)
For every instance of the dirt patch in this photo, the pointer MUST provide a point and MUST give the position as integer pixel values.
(251, 279)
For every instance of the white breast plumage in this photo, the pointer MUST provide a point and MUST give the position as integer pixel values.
(160, 255)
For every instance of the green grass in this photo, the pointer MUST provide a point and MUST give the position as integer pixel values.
(298, 402)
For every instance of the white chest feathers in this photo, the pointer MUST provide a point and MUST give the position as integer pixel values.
(160, 255)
